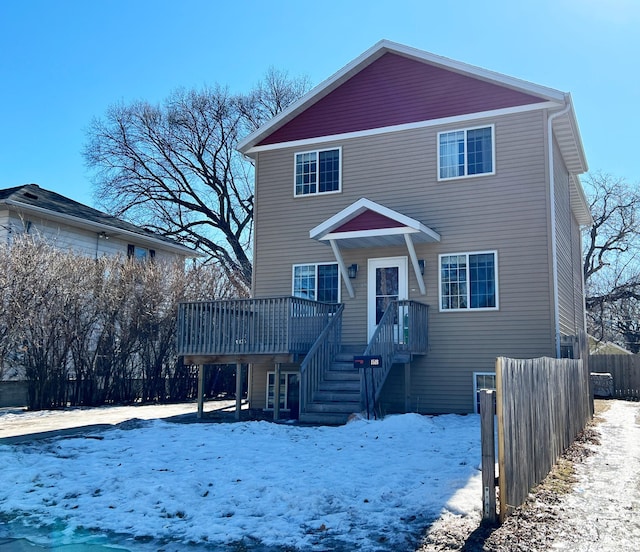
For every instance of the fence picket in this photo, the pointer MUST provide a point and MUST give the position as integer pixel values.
(542, 405)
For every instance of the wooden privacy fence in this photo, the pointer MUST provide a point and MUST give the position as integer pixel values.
(625, 370)
(542, 405)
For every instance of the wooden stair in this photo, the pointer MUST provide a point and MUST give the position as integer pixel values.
(338, 396)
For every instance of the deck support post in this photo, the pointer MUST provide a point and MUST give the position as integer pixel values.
(238, 389)
(276, 394)
(407, 387)
(200, 390)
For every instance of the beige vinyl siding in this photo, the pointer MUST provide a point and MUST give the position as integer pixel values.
(568, 252)
(258, 381)
(506, 212)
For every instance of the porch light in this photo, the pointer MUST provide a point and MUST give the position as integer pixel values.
(352, 271)
(421, 265)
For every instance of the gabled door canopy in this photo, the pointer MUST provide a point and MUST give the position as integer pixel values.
(369, 224)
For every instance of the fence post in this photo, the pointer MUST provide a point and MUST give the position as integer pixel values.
(487, 436)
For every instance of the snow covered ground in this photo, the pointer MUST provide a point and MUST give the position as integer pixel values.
(368, 485)
(603, 512)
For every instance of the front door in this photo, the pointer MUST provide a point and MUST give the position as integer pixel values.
(386, 281)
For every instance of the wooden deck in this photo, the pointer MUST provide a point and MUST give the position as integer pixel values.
(240, 330)
(288, 329)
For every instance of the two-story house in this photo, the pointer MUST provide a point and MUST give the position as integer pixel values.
(416, 209)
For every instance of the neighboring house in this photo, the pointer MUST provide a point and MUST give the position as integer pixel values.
(73, 226)
(404, 180)
(597, 347)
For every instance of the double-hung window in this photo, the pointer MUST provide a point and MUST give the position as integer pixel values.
(469, 281)
(318, 282)
(317, 172)
(466, 152)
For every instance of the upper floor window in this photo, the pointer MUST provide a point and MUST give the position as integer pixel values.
(317, 172)
(140, 253)
(466, 152)
(318, 282)
(468, 281)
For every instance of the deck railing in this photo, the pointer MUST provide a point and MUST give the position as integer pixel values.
(319, 358)
(279, 325)
(401, 332)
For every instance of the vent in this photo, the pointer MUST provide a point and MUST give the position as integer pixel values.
(29, 195)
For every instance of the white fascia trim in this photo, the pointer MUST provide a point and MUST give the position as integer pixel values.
(362, 205)
(576, 132)
(88, 224)
(376, 51)
(474, 70)
(584, 215)
(406, 126)
(369, 233)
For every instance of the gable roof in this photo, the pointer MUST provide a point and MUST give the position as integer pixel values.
(406, 87)
(34, 199)
(367, 223)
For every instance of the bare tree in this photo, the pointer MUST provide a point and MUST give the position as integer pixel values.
(612, 257)
(174, 168)
(276, 91)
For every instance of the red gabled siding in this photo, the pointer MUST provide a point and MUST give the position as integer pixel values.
(369, 220)
(395, 90)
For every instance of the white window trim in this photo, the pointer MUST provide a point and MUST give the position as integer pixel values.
(286, 389)
(316, 265)
(475, 387)
(317, 151)
(465, 130)
(469, 309)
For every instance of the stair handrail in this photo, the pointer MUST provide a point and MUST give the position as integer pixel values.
(401, 330)
(381, 344)
(319, 358)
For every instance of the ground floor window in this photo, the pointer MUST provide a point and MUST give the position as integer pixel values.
(289, 390)
(483, 380)
(468, 281)
(318, 282)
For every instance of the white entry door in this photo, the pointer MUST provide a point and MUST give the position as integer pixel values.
(386, 281)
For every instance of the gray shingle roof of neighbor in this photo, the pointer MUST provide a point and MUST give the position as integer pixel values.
(32, 196)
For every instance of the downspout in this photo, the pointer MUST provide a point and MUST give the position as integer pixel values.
(554, 247)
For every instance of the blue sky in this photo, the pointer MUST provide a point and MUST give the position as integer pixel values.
(64, 62)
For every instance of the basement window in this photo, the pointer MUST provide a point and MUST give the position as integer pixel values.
(289, 390)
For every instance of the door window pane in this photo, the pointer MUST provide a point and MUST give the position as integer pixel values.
(386, 288)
